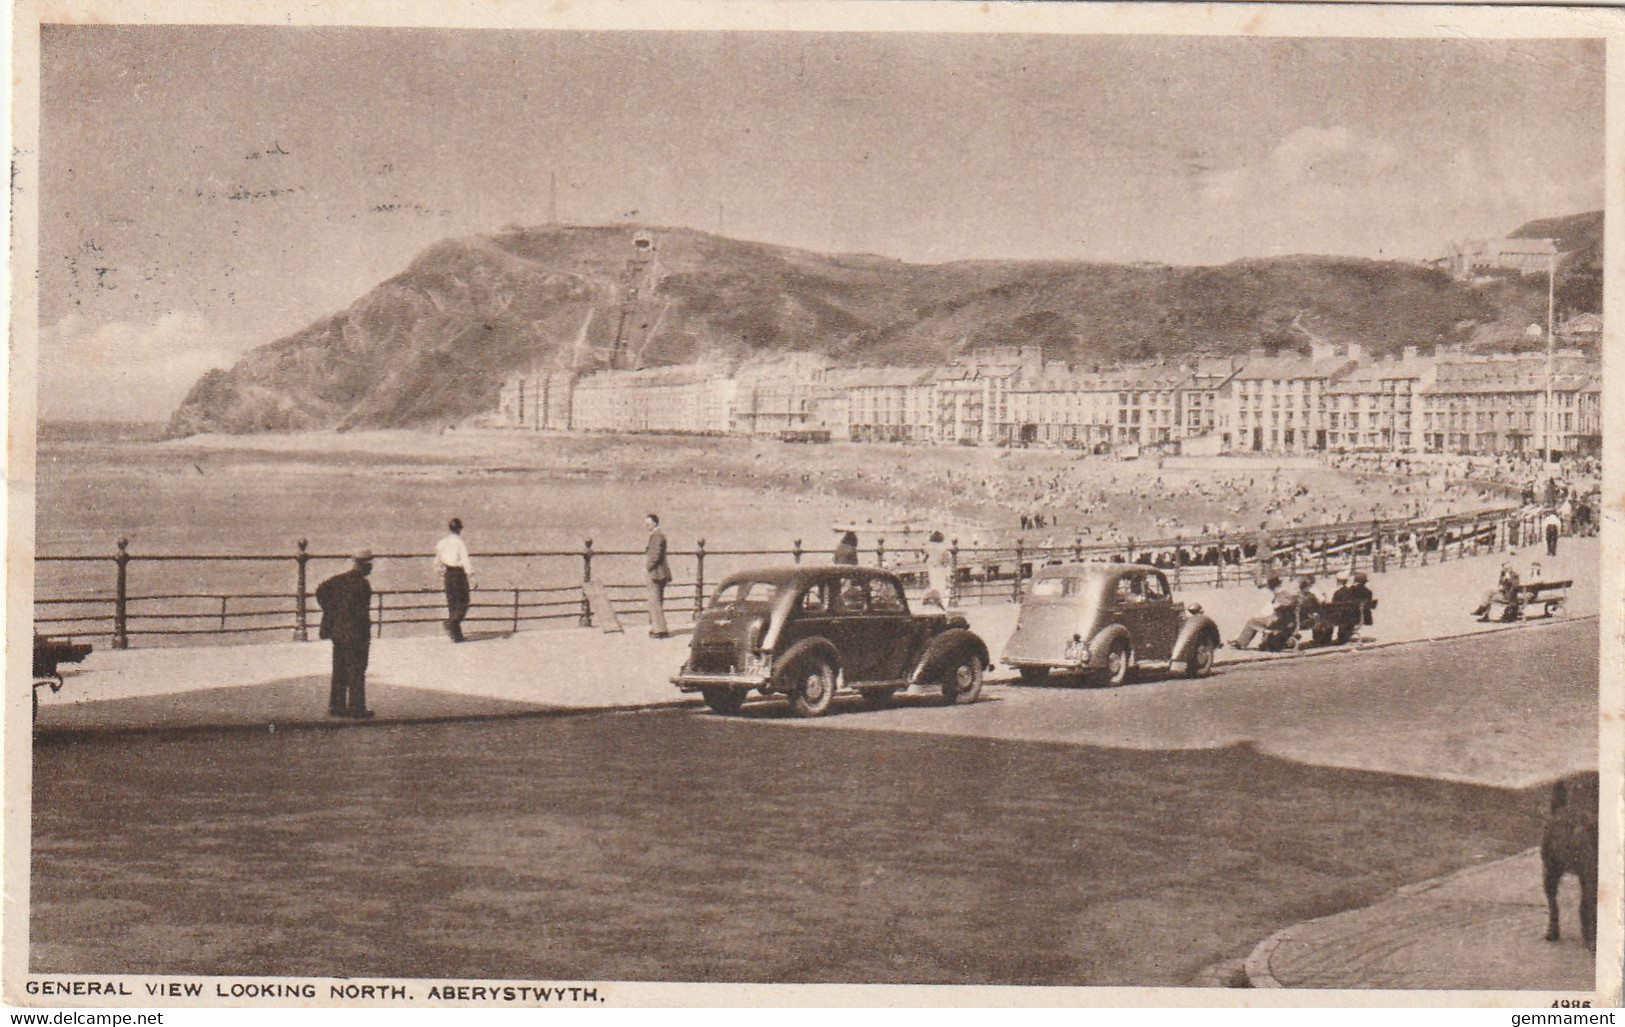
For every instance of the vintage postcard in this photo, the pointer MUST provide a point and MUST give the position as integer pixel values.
(634, 504)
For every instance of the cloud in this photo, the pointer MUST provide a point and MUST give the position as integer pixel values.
(125, 371)
(1331, 189)
(1308, 164)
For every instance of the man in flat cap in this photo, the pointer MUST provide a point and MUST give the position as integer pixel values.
(346, 602)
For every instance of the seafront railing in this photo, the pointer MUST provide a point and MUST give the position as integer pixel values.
(269, 594)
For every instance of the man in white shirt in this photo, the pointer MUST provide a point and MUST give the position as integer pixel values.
(1552, 524)
(451, 556)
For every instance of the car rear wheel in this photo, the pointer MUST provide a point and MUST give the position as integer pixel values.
(812, 688)
(726, 701)
(964, 681)
(878, 698)
(1034, 675)
(1200, 664)
(1119, 663)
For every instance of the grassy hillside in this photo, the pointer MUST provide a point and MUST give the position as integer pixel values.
(433, 344)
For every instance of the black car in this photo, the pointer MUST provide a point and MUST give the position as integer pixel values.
(810, 632)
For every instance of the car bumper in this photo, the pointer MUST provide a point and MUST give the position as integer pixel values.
(1078, 656)
(691, 682)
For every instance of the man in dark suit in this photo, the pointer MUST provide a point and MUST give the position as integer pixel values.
(1347, 609)
(659, 573)
(346, 602)
(1362, 594)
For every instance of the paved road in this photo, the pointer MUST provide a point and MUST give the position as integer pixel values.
(927, 845)
(1511, 709)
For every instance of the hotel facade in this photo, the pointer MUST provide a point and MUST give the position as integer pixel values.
(1326, 401)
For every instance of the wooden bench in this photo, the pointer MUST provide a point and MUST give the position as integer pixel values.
(1550, 596)
(1535, 599)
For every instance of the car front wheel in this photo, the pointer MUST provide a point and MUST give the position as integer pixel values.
(813, 688)
(964, 682)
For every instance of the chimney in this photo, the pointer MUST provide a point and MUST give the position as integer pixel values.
(1356, 352)
(1410, 352)
(1320, 350)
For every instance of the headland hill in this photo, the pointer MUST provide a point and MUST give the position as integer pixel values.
(431, 346)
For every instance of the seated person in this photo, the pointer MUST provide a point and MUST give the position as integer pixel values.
(1279, 616)
(1363, 595)
(1506, 593)
(1347, 609)
(1307, 602)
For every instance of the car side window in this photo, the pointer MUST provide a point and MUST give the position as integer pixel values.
(1156, 589)
(886, 597)
(1130, 589)
(814, 601)
(852, 597)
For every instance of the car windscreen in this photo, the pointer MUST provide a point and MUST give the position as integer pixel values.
(737, 592)
(1055, 588)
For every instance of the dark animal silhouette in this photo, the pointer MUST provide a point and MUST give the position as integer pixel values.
(1570, 846)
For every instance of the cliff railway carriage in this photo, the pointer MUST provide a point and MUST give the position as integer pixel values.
(1106, 619)
(807, 633)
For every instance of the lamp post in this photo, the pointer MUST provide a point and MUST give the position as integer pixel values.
(1551, 291)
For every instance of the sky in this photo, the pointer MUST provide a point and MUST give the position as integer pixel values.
(205, 190)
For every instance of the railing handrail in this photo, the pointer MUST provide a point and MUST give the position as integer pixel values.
(1005, 561)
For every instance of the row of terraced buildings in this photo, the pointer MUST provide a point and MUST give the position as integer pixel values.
(1333, 400)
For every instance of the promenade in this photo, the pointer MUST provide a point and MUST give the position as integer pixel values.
(572, 668)
(1467, 931)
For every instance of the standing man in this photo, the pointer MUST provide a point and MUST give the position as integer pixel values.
(659, 573)
(846, 552)
(346, 602)
(451, 556)
(1553, 524)
(937, 570)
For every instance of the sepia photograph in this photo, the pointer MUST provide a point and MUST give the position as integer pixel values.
(627, 505)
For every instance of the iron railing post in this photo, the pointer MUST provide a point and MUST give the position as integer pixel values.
(121, 597)
(586, 579)
(699, 577)
(1015, 580)
(795, 551)
(301, 615)
(953, 573)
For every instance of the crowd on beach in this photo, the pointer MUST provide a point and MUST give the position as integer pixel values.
(987, 499)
